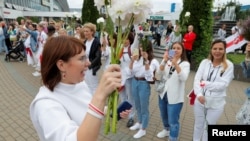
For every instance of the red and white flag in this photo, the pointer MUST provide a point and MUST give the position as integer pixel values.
(234, 41)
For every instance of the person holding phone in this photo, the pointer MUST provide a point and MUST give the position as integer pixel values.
(142, 68)
(210, 83)
(175, 69)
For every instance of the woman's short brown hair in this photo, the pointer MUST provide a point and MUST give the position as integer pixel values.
(57, 48)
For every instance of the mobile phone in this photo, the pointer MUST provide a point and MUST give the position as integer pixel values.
(171, 53)
(122, 107)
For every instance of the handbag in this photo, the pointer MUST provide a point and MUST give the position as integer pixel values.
(160, 84)
(191, 95)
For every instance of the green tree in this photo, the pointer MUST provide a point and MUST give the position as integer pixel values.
(202, 19)
(19, 19)
(89, 12)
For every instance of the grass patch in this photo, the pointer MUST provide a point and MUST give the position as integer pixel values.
(236, 58)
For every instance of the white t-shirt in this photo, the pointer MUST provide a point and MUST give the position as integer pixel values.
(88, 46)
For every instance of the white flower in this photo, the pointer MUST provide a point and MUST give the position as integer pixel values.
(99, 3)
(100, 20)
(187, 14)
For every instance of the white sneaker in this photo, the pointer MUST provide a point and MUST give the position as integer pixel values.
(139, 134)
(34, 66)
(37, 68)
(135, 126)
(163, 133)
(36, 73)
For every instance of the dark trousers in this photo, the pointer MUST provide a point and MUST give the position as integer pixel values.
(188, 53)
(8, 43)
(158, 39)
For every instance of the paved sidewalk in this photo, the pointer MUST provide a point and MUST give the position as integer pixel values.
(18, 87)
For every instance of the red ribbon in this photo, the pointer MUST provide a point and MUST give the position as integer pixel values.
(28, 50)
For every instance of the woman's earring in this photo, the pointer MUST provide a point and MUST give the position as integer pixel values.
(64, 75)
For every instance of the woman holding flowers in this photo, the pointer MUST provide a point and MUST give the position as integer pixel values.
(175, 71)
(64, 109)
(214, 73)
(142, 68)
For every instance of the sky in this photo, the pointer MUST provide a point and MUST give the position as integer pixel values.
(158, 5)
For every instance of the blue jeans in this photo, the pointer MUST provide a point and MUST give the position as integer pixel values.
(170, 115)
(141, 93)
(126, 95)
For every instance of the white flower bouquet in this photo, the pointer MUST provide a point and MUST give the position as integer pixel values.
(121, 14)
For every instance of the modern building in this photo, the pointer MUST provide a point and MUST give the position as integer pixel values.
(11, 9)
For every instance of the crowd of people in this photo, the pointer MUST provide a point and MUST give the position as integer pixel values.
(70, 105)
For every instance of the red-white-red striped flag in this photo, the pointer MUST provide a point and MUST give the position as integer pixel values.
(234, 41)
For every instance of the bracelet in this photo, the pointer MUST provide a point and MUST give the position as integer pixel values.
(94, 114)
(91, 106)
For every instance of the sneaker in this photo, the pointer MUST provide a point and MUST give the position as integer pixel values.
(34, 65)
(130, 123)
(163, 133)
(135, 126)
(139, 134)
(36, 73)
(37, 68)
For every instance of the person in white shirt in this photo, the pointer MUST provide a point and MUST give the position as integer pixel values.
(175, 36)
(106, 52)
(210, 83)
(236, 28)
(41, 39)
(222, 32)
(175, 69)
(142, 67)
(64, 109)
(126, 91)
(94, 54)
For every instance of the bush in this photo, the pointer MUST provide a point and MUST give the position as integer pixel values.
(202, 20)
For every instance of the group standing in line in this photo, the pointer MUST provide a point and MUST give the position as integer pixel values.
(75, 64)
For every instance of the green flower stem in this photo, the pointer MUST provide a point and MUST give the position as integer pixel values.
(115, 58)
(107, 121)
(114, 111)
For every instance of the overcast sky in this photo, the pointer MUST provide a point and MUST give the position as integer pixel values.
(159, 5)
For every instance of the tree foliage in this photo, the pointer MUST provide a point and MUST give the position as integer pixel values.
(89, 12)
(202, 20)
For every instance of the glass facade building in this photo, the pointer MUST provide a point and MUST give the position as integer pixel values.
(37, 5)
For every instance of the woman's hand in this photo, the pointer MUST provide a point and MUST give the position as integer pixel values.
(125, 114)
(174, 60)
(201, 99)
(110, 80)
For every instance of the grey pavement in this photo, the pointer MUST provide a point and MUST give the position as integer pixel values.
(18, 87)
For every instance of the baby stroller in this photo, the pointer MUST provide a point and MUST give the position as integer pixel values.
(16, 52)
